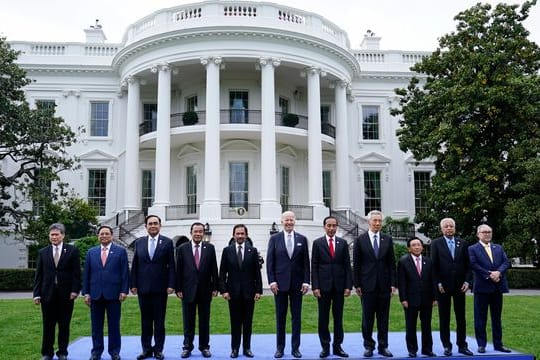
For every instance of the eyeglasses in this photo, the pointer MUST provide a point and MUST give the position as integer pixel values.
(485, 232)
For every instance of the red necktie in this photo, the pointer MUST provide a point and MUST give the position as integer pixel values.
(331, 246)
(103, 256)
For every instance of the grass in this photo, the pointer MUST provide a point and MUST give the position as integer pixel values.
(20, 330)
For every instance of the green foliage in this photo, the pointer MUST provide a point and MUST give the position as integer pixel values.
(290, 120)
(16, 279)
(523, 278)
(84, 244)
(475, 114)
(190, 118)
(32, 141)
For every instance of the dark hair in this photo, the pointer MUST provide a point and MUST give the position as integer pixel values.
(414, 238)
(239, 226)
(58, 226)
(327, 218)
(195, 224)
(105, 227)
(151, 216)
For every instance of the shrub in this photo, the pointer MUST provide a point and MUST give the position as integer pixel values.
(16, 279)
(524, 278)
(190, 118)
(290, 120)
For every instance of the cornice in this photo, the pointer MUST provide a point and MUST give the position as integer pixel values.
(70, 69)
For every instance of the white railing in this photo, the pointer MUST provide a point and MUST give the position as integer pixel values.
(100, 50)
(48, 49)
(186, 14)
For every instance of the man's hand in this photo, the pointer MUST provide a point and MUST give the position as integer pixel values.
(134, 291)
(305, 289)
(179, 294)
(405, 304)
(170, 291)
(317, 293)
(359, 291)
(347, 292)
(73, 295)
(226, 296)
(87, 299)
(274, 288)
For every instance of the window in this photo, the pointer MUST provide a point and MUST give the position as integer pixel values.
(99, 119)
(372, 191)
(238, 104)
(45, 105)
(327, 188)
(283, 105)
(147, 191)
(191, 103)
(325, 114)
(370, 122)
(97, 189)
(238, 184)
(150, 117)
(191, 190)
(285, 189)
(41, 191)
(422, 183)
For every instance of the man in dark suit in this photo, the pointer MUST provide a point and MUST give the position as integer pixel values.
(417, 295)
(452, 276)
(331, 280)
(287, 267)
(153, 278)
(241, 285)
(196, 284)
(56, 286)
(489, 264)
(105, 286)
(374, 272)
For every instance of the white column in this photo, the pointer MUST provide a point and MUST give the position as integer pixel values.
(131, 174)
(211, 205)
(270, 207)
(342, 148)
(163, 140)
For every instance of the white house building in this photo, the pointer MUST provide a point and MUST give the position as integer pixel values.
(237, 70)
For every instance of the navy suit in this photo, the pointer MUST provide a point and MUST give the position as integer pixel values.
(375, 276)
(242, 282)
(197, 287)
(152, 278)
(451, 273)
(332, 276)
(419, 292)
(104, 284)
(54, 285)
(289, 274)
(487, 293)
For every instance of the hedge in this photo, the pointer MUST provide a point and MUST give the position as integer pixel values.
(17, 279)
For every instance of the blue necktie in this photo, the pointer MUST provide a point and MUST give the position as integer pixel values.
(152, 247)
(375, 245)
(451, 247)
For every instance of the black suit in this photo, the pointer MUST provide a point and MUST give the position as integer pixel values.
(289, 274)
(332, 276)
(451, 273)
(242, 282)
(419, 292)
(54, 286)
(197, 287)
(152, 278)
(375, 276)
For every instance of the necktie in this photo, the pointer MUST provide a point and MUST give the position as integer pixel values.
(331, 246)
(451, 247)
(196, 256)
(418, 266)
(239, 255)
(152, 247)
(103, 255)
(56, 255)
(488, 251)
(375, 245)
(289, 245)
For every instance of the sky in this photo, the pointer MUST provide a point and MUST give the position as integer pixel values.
(412, 25)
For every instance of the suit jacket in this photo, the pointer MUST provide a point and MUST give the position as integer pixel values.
(109, 280)
(448, 271)
(417, 290)
(241, 282)
(481, 265)
(67, 274)
(329, 273)
(288, 273)
(374, 273)
(157, 274)
(194, 282)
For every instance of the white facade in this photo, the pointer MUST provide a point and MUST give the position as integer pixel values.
(240, 66)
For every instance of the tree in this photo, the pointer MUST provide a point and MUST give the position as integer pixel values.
(476, 115)
(33, 146)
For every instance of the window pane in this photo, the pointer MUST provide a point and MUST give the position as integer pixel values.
(422, 183)
(148, 186)
(327, 189)
(97, 189)
(238, 184)
(372, 191)
(283, 105)
(99, 119)
(238, 103)
(285, 189)
(325, 114)
(370, 122)
(191, 103)
(191, 190)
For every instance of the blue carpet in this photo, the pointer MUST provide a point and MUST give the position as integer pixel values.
(263, 346)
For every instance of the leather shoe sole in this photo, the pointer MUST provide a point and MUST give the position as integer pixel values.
(465, 351)
(428, 353)
(481, 349)
(503, 349)
(385, 352)
(340, 353)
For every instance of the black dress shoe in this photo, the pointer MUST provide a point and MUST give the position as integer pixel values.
(447, 351)
(206, 353)
(412, 354)
(324, 353)
(159, 355)
(62, 357)
(46, 357)
(278, 354)
(503, 349)
(385, 352)
(248, 353)
(296, 353)
(234, 353)
(115, 357)
(465, 351)
(338, 351)
(368, 353)
(429, 353)
(95, 357)
(185, 353)
(144, 355)
(481, 349)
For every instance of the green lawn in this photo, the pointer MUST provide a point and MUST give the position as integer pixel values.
(20, 329)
